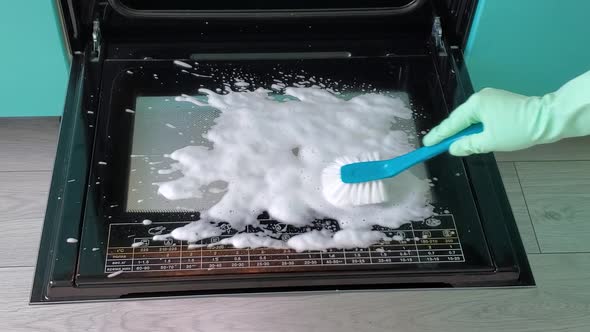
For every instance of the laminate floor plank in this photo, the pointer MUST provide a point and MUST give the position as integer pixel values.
(17, 315)
(28, 144)
(519, 207)
(565, 150)
(557, 195)
(23, 194)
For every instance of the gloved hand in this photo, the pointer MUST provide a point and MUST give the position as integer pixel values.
(512, 122)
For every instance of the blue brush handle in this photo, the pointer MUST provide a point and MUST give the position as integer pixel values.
(428, 152)
(376, 170)
(401, 163)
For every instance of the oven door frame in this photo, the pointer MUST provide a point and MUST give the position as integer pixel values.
(56, 268)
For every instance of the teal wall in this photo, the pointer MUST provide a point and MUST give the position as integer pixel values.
(529, 46)
(33, 64)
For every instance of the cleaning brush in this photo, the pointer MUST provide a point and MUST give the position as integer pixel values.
(339, 193)
(358, 181)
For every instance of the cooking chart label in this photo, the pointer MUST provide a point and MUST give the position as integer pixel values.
(131, 248)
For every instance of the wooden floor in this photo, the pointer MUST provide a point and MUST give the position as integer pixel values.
(549, 189)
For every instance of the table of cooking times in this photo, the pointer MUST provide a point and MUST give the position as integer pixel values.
(434, 240)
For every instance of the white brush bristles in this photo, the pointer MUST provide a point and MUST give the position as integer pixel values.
(343, 194)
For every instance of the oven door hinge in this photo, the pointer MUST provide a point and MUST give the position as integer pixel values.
(96, 40)
(437, 36)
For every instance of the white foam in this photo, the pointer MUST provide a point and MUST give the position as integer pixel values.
(324, 239)
(196, 231)
(271, 156)
(114, 274)
(146, 222)
(182, 64)
(201, 75)
(189, 99)
(252, 240)
(398, 238)
(137, 244)
(161, 237)
(71, 240)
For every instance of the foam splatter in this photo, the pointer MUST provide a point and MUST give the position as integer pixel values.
(270, 153)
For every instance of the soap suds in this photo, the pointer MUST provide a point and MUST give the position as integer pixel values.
(201, 75)
(114, 274)
(241, 84)
(193, 232)
(324, 239)
(252, 240)
(397, 238)
(270, 154)
(182, 64)
(161, 237)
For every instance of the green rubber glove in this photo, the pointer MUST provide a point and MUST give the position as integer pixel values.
(513, 122)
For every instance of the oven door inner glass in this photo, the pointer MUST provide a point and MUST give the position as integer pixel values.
(141, 122)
